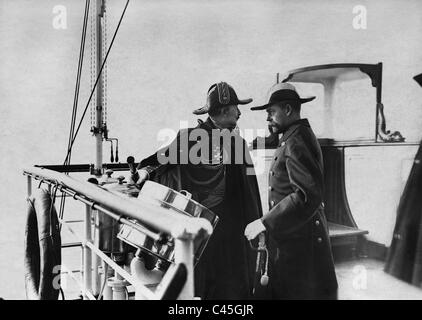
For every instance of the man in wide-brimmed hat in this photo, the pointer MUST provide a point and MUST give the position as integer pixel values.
(230, 189)
(301, 263)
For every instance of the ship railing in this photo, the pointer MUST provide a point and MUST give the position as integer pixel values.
(153, 221)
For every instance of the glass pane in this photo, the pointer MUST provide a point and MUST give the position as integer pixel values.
(313, 110)
(352, 114)
(354, 104)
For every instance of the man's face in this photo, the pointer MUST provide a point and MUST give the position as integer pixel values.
(231, 115)
(277, 118)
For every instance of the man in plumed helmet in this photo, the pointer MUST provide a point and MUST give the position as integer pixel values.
(220, 175)
(301, 262)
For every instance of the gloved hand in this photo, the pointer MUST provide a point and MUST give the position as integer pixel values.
(134, 177)
(139, 177)
(253, 229)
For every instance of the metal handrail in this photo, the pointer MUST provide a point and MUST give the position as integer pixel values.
(159, 237)
(176, 225)
(184, 229)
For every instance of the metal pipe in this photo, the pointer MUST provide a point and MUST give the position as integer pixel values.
(29, 185)
(118, 285)
(83, 167)
(144, 291)
(157, 218)
(99, 107)
(71, 245)
(183, 228)
(184, 253)
(378, 98)
(87, 252)
(141, 289)
(96, 262)
(155, 236)
(107, 274)
(82, 267)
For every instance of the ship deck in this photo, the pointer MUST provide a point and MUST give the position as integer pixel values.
(358, 279)
(379, 285)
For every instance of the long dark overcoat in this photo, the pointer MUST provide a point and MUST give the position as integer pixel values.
(301, 263)
(404, 259)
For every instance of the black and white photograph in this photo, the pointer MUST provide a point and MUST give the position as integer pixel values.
(211, 150)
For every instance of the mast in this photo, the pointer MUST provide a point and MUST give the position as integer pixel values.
(100, 128)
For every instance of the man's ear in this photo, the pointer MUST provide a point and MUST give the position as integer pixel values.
(288, 109)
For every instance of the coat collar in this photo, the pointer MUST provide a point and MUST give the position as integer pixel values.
(209, 125)
(292, 128)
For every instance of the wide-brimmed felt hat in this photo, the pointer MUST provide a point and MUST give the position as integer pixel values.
(220, 95)
(282, 92)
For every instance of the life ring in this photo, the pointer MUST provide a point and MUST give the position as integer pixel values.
(42, 248)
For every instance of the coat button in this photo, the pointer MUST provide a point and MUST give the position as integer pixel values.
(272, 202)
(319, 239)
(283, 143)
(275, 158)
(317, 222)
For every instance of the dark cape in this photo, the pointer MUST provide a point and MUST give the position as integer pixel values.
(226, 269)
(404, 260)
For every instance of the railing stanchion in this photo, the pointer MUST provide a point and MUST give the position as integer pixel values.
(184, 253)
(87, 276)
(96, 262)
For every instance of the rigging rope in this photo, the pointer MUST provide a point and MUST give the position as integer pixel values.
(98, 77)
(78, 81)
(76, 97)
(69, 150)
